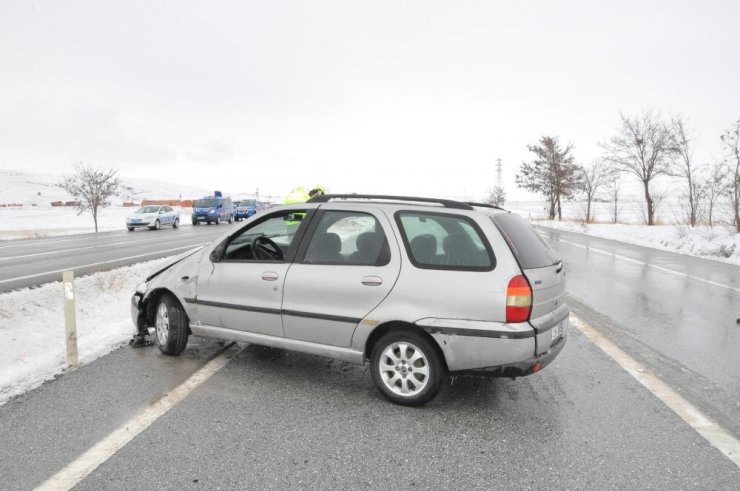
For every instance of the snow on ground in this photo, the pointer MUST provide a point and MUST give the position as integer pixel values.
(33, 332)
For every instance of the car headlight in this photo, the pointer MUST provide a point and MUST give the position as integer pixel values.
(141, 288)
(211, 211)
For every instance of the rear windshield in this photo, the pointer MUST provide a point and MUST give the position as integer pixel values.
(529, 248)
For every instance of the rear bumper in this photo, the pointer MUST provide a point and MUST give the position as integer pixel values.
(520, 369)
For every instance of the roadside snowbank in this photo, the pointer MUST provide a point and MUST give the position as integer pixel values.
(33, 333)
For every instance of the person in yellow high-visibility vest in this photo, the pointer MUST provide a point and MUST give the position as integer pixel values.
(318, 190)
(297, 195)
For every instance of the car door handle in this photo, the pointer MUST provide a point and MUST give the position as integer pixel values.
(269, 276)
(372, 280)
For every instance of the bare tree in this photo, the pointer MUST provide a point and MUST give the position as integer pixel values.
(593, 177)
(643, 147)
(684, 144)
(551, 173)
(731, 147)
(91, 187)
(496, 196)
(713, 187)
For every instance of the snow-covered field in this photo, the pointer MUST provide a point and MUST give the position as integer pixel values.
(32, 320)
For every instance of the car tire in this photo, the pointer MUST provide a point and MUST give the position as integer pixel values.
(176, 223)
(217, 220)
(407, 368)
(131, 229)
(156, 224)
(231, 219)
(195, 222)
(170, 326)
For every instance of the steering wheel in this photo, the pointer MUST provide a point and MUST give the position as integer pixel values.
(265, 248)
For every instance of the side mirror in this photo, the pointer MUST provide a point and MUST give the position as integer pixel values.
(217, 253)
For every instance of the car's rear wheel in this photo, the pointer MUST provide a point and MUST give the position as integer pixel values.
(170, 326)
(217, 220)
(177, 223)
(406, 368)
(231, 218)
(131, 229)
(195, 222)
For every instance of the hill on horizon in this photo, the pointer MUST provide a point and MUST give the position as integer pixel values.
(37, 189)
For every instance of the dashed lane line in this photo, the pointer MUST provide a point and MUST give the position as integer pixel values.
(101, 263)
(97, 246)
(659, 268)
(86, 463)
(711, 431)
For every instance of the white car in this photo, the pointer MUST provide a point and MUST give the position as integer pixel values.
(154, 217)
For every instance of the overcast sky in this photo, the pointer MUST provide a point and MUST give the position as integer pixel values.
(414, 97)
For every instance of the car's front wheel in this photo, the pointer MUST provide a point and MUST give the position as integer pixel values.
(406, 368)
(156, 225)
(131, 229)
(170, 326)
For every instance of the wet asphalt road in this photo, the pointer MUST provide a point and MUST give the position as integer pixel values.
(26, 263)
(278, 420)
(683, 307)
(274, 419)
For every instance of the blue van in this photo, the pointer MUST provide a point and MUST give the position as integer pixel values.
(213, 209)
(246, 208)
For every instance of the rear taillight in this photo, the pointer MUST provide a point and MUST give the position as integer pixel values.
(518, 300)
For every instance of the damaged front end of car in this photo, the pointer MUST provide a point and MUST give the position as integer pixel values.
(178, 276)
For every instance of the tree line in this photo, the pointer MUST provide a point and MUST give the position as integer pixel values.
(644, 148)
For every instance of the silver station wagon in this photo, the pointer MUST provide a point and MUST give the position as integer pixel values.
(420, 288)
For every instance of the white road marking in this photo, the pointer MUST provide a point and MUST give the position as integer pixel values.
(711, 431)
(97, 246)
(27, 242)
(193, 246)
(659, 268)
(86, 463)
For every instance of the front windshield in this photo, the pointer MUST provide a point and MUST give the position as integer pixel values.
(148, 209)
(205, 203)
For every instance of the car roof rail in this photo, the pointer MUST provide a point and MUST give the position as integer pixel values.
(485, 205)
(447, 203)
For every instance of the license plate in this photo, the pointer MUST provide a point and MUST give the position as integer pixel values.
(557, 331)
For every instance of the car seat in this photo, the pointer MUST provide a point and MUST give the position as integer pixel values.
(325, 248)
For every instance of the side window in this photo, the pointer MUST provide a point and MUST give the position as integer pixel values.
(268, 240)
(441, 241)
(350, 238)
